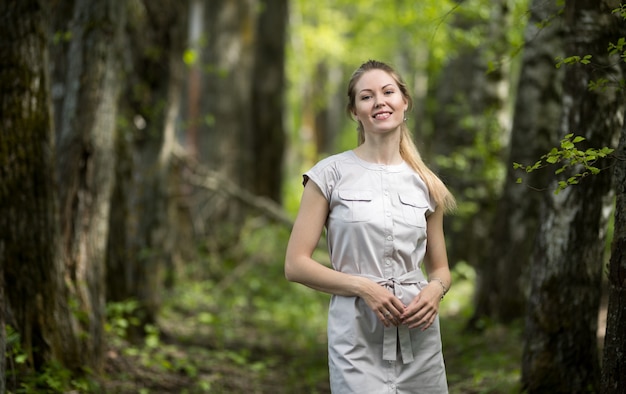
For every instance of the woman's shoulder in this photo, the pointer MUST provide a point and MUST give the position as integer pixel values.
(327, 172)
(336, 159)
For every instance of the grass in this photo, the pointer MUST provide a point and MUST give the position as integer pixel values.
(242, 328)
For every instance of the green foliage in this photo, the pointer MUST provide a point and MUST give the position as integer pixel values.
(52, 378)
(14, 350)
(477, 362)
(120, 317)
(244, 328)
(568, 156)
(573, 60)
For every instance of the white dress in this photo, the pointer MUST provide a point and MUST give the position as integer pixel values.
(376, 228)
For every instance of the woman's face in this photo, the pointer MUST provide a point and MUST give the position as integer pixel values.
(378, 103)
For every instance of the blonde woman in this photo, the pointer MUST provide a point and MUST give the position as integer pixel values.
(383, 212)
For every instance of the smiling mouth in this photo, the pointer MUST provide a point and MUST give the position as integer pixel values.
(382, 115)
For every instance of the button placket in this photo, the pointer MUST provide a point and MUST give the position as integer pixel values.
(388, 224)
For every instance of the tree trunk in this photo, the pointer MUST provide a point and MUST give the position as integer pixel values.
(503, 273)
(614, 361)
(229, 61)
(469, 128)
(3, 337)
(35, 304)
(86, 160)
(267, 134)
(560, 349)
(140, 244)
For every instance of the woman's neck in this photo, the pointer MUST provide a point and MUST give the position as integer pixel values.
(380, 151)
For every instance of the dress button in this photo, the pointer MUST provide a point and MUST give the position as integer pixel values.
(388, 214)
(389, 238)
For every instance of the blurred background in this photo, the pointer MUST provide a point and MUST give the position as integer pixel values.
(150, 170)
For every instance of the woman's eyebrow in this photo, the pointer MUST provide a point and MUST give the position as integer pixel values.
(370, 90)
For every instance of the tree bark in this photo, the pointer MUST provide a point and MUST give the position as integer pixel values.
(614, 361)
(502, 274)
(560, 347)
(140, 243)
(267, 134)
(3, 337)
(86, 160)
(35, 305)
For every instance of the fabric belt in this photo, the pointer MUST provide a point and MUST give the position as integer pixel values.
(393, 334)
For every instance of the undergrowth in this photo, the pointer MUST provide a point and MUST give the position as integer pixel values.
(235, 325)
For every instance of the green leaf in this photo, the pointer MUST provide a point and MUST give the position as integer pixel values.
(552, 159)
(190, 57)
(578, 139)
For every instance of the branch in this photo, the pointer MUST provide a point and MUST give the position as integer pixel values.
(203, 177)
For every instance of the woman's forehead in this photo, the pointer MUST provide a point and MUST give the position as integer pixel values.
(374, 79)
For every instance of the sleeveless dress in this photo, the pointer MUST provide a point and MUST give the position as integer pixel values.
(376, 228)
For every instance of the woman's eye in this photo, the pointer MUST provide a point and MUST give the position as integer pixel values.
(365, 97)
(388, 92)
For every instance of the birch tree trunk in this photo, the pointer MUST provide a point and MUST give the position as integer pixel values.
(32, 295)
(560, 349)
(503, 273)
(86, 160)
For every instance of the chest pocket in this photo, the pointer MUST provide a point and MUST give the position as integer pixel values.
(413, 210)
(355, 205)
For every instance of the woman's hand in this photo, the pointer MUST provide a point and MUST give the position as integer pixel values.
(422, 311)
(387, 307)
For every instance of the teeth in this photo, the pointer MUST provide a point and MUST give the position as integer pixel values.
(383, 115)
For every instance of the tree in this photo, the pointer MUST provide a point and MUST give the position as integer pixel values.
(613, 374)
(502, 274)
(560, 347)
(32, 295)
(469, 121)
(267, 134)
(228, 61)
(142, 238)
(85, 160)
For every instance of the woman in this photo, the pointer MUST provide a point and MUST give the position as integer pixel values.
(383, 212)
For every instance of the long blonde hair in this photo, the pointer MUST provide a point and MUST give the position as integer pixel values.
(438, 190)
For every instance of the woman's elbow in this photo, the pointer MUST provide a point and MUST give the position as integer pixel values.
(290, 272)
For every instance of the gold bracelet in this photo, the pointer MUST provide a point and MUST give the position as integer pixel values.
(443, 286)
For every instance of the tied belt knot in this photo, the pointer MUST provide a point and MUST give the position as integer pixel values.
(399, 334)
